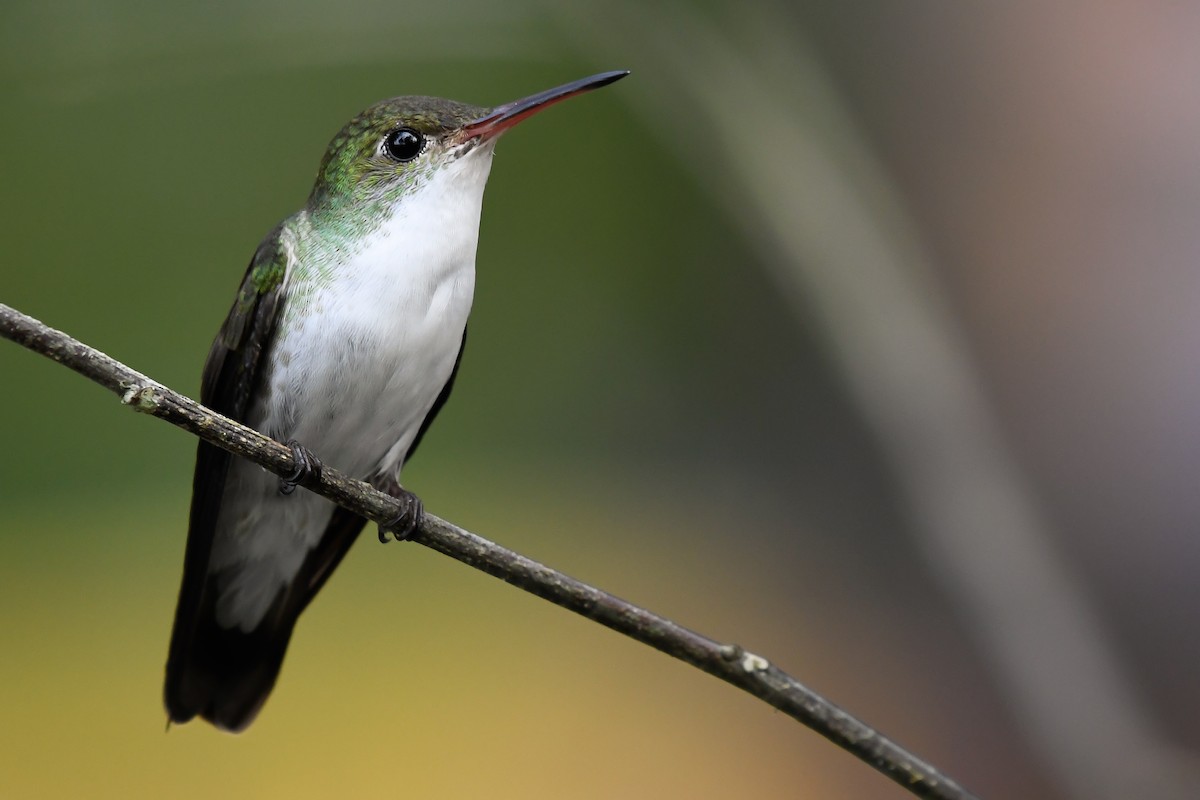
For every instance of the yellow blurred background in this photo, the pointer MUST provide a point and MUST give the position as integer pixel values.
(862, 334)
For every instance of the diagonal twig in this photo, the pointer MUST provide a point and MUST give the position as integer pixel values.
(729, 662)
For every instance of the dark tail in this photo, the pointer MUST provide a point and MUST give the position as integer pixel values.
(225, 675)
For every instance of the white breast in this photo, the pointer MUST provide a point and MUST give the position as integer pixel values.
(359, 369)
(361, 355)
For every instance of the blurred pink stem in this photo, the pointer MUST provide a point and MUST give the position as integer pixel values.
(805, 187)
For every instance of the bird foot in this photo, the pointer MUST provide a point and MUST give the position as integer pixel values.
(404, 524)
(308, 468)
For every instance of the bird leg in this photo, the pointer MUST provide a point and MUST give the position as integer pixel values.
(308, 468)
(405, 523)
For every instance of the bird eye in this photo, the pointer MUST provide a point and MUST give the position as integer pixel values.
(404, 144)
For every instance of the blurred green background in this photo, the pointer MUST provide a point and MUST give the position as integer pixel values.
(862, 334)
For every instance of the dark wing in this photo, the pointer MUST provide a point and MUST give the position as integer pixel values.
(226, 675)
(230, 376)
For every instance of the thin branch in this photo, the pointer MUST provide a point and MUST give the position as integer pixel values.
(729, 662)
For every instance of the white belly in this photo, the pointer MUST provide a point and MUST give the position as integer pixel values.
(357, 372)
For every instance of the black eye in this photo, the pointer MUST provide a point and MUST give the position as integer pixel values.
(404, 144)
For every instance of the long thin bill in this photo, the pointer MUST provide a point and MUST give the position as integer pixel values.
(501, 118)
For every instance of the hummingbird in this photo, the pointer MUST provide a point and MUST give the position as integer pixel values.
(344, 340)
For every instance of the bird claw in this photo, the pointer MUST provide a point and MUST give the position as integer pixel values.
(404, 524)
(308, 468)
